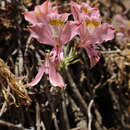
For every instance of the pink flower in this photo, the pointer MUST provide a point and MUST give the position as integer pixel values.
(122, 26)
(91, 31)
(40, 12)
(52, 29)
(79, 10)
(49, 67)
(56, 32)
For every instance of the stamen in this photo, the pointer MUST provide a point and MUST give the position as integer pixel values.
(85, 10)
(92, 23)
(57, 22)
(38, 12)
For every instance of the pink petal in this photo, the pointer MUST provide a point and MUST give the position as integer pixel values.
(83, 32)
(45, 7)
(85, 5)
(49, 8)
(40, 12)
(38, 76)
(54, 77)
(63, 17)
(104, 33)
(75, 9)
(92, 12)
(78, 11)
(69, 31)
(42, 33)
(56, 55)
(119, 20)
(30, 16)
(93, 56)
(56, 23)
(95, 14)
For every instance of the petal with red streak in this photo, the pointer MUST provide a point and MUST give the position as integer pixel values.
(42, 33)
(54, 77)
(93, 56)
(104, 33)
(69, 31)
(38, 77)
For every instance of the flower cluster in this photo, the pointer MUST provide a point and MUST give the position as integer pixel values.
(51, 28)
(91, 31)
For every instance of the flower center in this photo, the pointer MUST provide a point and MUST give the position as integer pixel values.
(38, 12)
(85, 10)
(92, 23)
(57, 22)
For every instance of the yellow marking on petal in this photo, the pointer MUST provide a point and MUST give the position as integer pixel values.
(57, 22)
(38, 13)
(85, 10)
(92, 23)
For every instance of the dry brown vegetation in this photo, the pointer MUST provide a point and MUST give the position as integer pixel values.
(94, 99)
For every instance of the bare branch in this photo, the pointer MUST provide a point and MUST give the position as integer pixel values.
(89, 114)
